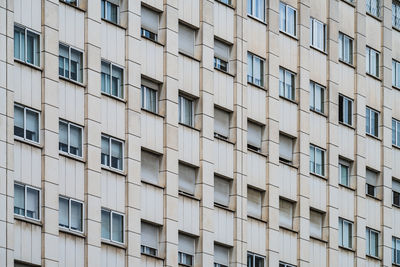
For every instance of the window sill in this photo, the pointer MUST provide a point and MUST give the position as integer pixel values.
(288, 99)
(152, 256)
(76, 7)
(27, 220)
(319, 113)
(373, 16)
(184, 194)
(318, 239)
(225, 4)
(373, 257)
(153, 113)
(258, 86)
(319, 50)
(255, 218)
(372, 197)
(257, 19)
(72, 81)
(28, 64)
(216, 205)
(289, 164)
(398, 30)
(71, 232)
(114, 97)
(347, 125)
(349, 3)
(373, 76)
(257, 152)
(188, 56)
(396, 206)
(347, 187)
(70, 156)
(348, 249)
(318, 176)
(223, 139)
(395, 146)
(152, 184)
(224, 72)
(373, 136)
(395, 87)
(288, 229)
(289, 35)
(188, 126)
(116, 171)
(153, 41)
(114, 244)
(28, 142)
(347, 64)
(113, 23)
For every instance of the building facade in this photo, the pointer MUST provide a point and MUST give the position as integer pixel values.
(199, 133)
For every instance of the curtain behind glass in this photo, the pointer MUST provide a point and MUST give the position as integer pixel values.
(63, 137)
(105, 224)
(117, 228)
(117, 83)
(19, 121)
(105, 151)
(105, 77)
(63, 213)
(32, 203)
(75, 140)
(116, 154)
(19, 199)
(76, 216)
(32, 126)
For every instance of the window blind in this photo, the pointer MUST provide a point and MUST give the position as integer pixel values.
(285, 213)
(371, 178)
(253, 202)
(221, 50)
(254, 134)
(396, 186)
(186, 244)
(315, 224)
(187, 179)
(186, 39)
(149, 235)
(285, 147)
(149, 20)
(221, 122)
(221, 255)
(221, 191)
(150, 167)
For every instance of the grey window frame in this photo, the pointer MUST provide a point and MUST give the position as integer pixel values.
(120, 91)
(25, 48)
(313, 88)
(250, 79)
(345, 104)
(25, 108)
(106, 2)
(287, 22)
(370, 56)
(313, 30)
(368, 237)
(350, 224)
(323, 160)
(70, 200)
(342, 48)
(111, 212)
(38, 190)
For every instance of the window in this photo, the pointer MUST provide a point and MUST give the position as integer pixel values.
(186, 39)
(372, 238)
(372, 62)
(396, 133)
(316, 222)
(345, 110)
(345, 48)
(221, 256)
(254, 133)
(254, 203)
(395, 250)
(371, 183)
(149, 239)
(70, 138)
(254, 260)
(344, 172)
(345, 233)
(287, 19)
(26, 201)
(186, 250)
(110, 10)
(221, 55)
(26, 46)
(255, 70)
(150, 167)
(26, 123)
(285, 213)
(72, 2)
(282, 264)
(70, 63)
(317, 97)
(186, 111)
(221, 123)
(285, 148)
(396, 73)
(373, 7)
(256, 8)
(111, 152)
(187, 179)
(221, 191)
(112, 226)
(112, 82)
(372, 122)
(396, 16)
(149, 23)
(70, 214)
(318, 34)
(228, 2)
(396, 194)
(286, 83)
(317, 160)
(150, 96)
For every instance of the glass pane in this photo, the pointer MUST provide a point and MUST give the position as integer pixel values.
(318, 98)
(259, 9)
(76, 65)
(367, 59)
(19, 199)
(63, 61)
(76, 216)
(249, 6)
(398, 134)
(368, 121)
(105, 77)
(312, 159)
(105, 225)
(118, 228)
(103, 9)
(19, 121)
(398, 251)
(398, 74)
(319, 162)
(282, 16)
(257, 71)
(281, 82)
(105, 151)
(75, 143)
(340, 232)
(117, 83)
(250, 261)
(63, 137)
(32, 203)
(32, 50)
(112, 12)
(249, 66)
(259, 261)
(19, 43)
(291, 21)
(289, 82)
(393, 132)
(63, 213)
(312, 106)
(116, 154)
(346, 234)
(32, 126)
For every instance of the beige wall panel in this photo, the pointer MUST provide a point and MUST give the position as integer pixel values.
(28, 242)
(28, 13)
(113, 43)
(223, 226)
(373, 213)
(346, 19)
(373, 93)
(112, 191)
(152, 131)
(318, 193)
(346, 142)
(112, 256)
(154, 3)
(256, 234)
(374, 262)
(151, 59)
(319, 10)
(27, 160)
(223, 158)
(289, 59)
(346, 203)
(288, 122)
(151, 203)
(292, 3)
(396, 224)
(374, 27)
(373, 153)
(318, 68)
(256, 170)
(189, 75)
(257, 37)
(288, 246)
(71, 102)
(188, 217)
(223, 90)
(146, 261)
(189, 145)
(71, 250)
(113, 117)
(396, 167)
(346, 258)
(288, 182)
(256, 104)
(346, 80)
(27, 86)
(223, 21)
(396, 108)
(396, 43)
(71, 175)
(189, 11)
(318, 254)
(318, 131)
(71, 26)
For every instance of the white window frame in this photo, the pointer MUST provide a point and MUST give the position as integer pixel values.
(26, 31)
(396, 71)
(316, 148)
(146, 250)
(368, 237)
(105, 11)
(313, 88)
(343, 49)
(121, 89)
(283, 264)
(70, 200)
(254, 256)
(287, 23)
(282, 84)
(148, 33)
(370, 54)
(396, 193)
(396, 17)
(344, 164)
(371, 130)
(26, 202)
(68, 139)
(370, 9)
(342, 223)
(31, 110)
(252, 12)
(69, 64)
(110, 138)
(395, 250)
(250, 79)
(71, 2)
(145, 89)
(344, 102)
(313, 34)
(226, 2)
(396, 133)
(182, 110)
(111, 212)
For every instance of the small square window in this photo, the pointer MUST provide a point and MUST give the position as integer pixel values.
(256, 8)
(221, 256)
(318, 34)
(372, 61)
(396, 133)
(254, 203)
(221, 191)
(255, 260)
(344, 172)
(372, 122)
(26, 201)
(221, 123)
(396, 192)
(186, 39)
(254, 136)
(187, 179)
(316, 223)
(150, 167)
(286, 144)
(371, 183)
(112, 226)
(221, 55)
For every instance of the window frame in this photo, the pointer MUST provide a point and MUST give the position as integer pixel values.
(342, 48)
(293, 91)
(342, 222)
(181, 254)
(254, 256)
(313, 88)
(117, 22)
(147, 33)
(345, 101)
(323, 151)
(396, 133)
(396, 17)
(396, 195)
(144, 90)
(69, 2)
(395, 248)
(69, 138)
(291, 213)
(368, 131)
(69, 228)
(283, 264)
(287, 6)
(38, 35)
(313, 34)
(111, 212)
(110, 139)
(25, 216)
(25, 108)
(396, 70)
(369, 54)
(70, 49)
(252, 13)
(182, 110)
(229, 182)
(121, 89)
(368, 236)
(345, 164)
(145, 249)
(251, 81)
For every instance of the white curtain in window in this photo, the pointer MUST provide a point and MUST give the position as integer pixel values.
(221, 50)
(187, 179)
(75, 140)
(291, 20)
(254, 134)
(285, 147)
(32, 125)
(63, 213)
(250, 67)
(63, 134)
(254, 203)
(149, 20)
(221, 191)
(19, 199)
(149, 237)
(315, 224)
(186, 39)
(116, 154)
(371, 177)
(117, 228)
(285, 213)
(105, 224)
(186, 244)
(259, 9)
(221, 255)
(105, 77)
(221, 122)
(150, 167)
(257, 71)
(76, 215)
(32, 203)
(32, 49)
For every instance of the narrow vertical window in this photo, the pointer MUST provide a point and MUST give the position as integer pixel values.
(149, 96)
(372, 241)
(110, 10)
(287, 19)
(26, 46)
(255, 70)
(396, 133)
(186, 111)
(317, 97)
(112, 79)
(317, 160)
(70, 138)
(345, 48)
(286, 84)
(372, 61)
(26, 123)
(345, 110)
(111, 153)
(70, 63)
(345, 233)
(318, 34)
(372, 122)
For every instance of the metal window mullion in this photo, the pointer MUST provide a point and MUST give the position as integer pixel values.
(69, 62)
(24, 123)
(109, 153)
(25, 202)
(26, 45)
(69, 214)
(111, 225)
(68, 139)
